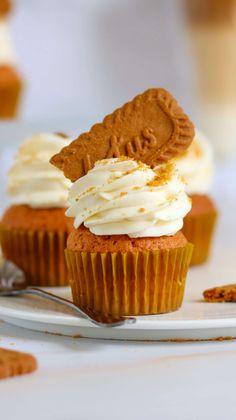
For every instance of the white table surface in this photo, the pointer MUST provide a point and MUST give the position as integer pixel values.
(101, 380)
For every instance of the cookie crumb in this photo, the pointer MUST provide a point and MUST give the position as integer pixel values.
(225, 293)
(163, 175)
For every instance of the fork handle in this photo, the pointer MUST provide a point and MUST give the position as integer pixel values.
(49, 296)
(99, 319)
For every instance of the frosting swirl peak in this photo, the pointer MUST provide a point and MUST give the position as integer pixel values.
(33, 181)
(195, 165)
(7, 54)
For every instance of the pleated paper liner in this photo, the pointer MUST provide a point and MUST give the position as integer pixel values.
(10, 91)
(130, 283)
(9, 101)
(199, 231)
(40, 254)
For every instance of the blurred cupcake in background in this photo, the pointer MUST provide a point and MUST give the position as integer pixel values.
(34, 228)
(10, 80)
(211, 27)
(5, 8)
(196, 166)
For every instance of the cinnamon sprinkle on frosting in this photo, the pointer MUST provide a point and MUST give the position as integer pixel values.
(163, 175)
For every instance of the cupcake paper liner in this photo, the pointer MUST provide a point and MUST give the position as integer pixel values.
(130, 283)
(39, 254)
(9, 101)
(199, 231)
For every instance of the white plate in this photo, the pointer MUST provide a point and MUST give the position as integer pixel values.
(195, 320)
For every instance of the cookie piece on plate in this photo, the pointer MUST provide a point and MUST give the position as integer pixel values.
(225, 293)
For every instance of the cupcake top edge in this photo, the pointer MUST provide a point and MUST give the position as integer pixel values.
(123, 196)
(32, 180)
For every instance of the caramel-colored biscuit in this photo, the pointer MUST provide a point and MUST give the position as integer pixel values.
(14, 363)
(152, 128)
(221, 294)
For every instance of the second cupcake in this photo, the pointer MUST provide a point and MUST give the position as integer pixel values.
(196, 167)
(10, 80)
(33, 229)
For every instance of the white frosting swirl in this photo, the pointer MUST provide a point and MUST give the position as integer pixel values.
(7, 54)
(32, 179)
(195, 165)
(121, 196)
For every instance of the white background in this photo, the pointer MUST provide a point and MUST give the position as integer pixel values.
(84, 58)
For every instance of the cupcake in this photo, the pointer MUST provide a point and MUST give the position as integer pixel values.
(126, 254)
(195, 165)
(33, 229)
(211, 32)
(10, 80)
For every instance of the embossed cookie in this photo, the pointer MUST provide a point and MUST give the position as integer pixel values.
(225, 293)
(14, 363)
(152, 128)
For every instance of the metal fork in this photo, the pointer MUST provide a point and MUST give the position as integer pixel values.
(12, 283)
